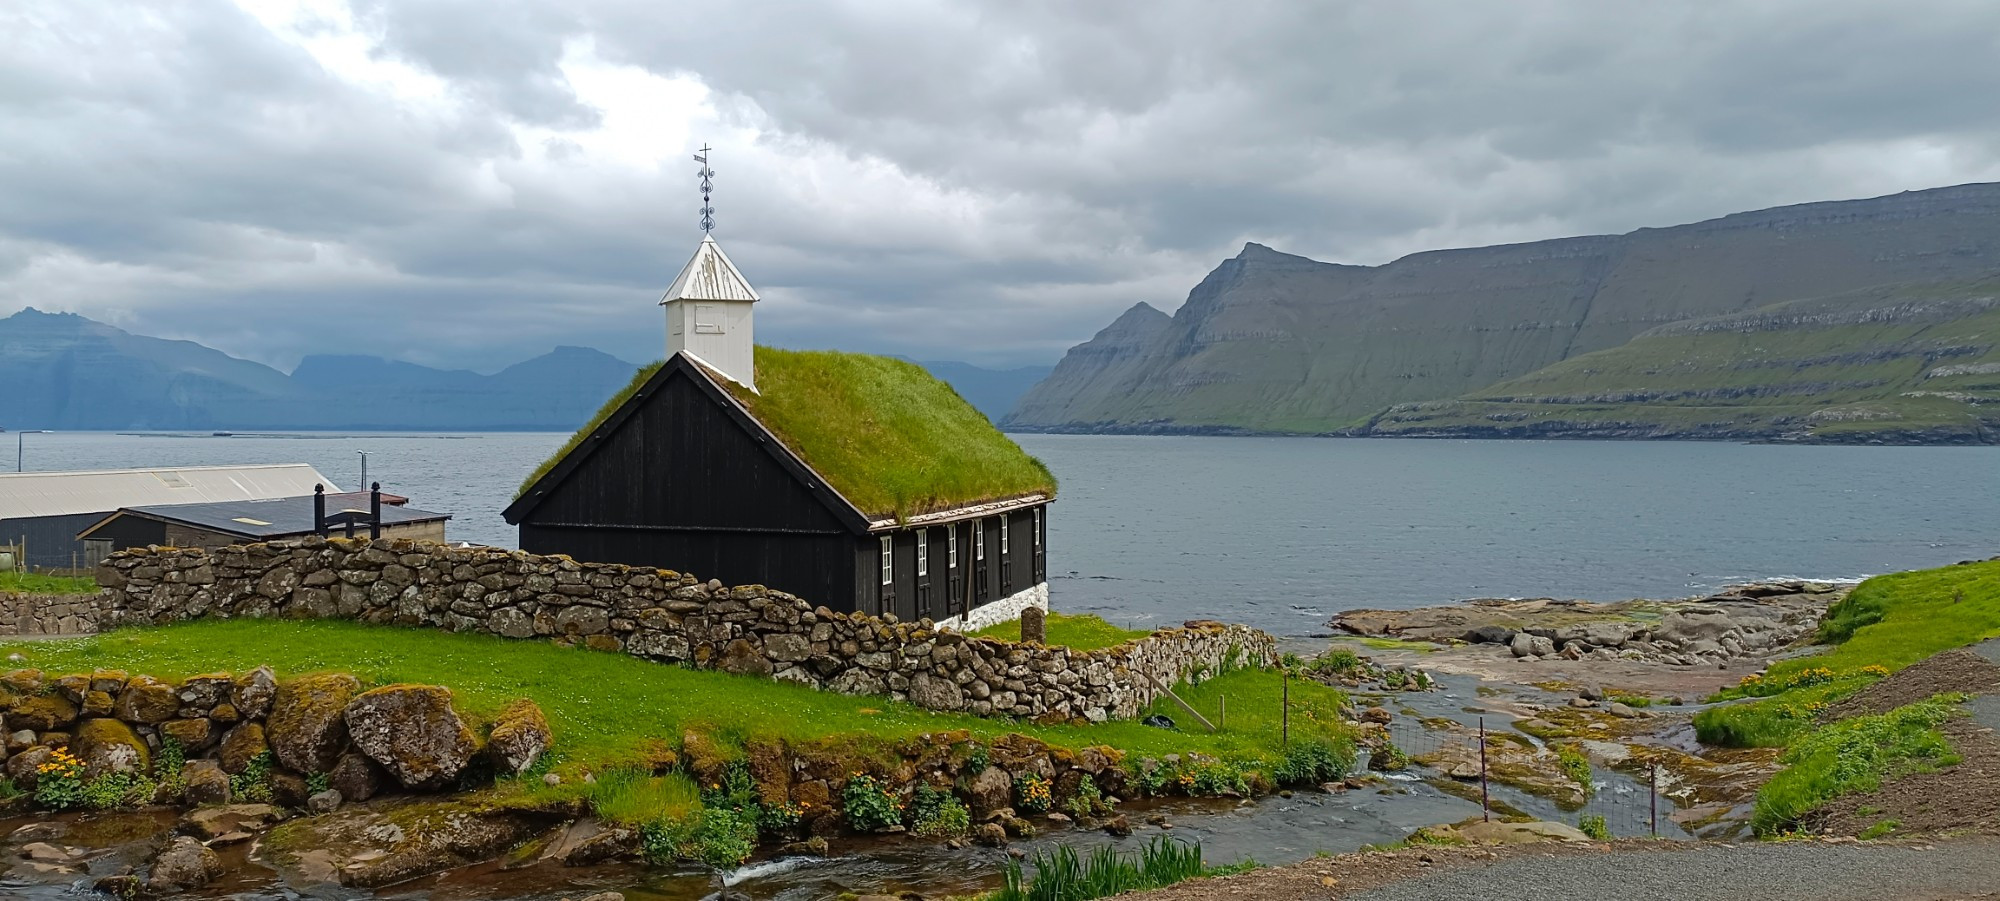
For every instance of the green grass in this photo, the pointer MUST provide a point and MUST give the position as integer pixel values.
(1394, 644)
(890, 437)
(630, 797)
(36, 583)
(610, 710)
(1885, 624)
(1061, 874)
(1079, 631)
(1851, 756)
(1879, 830)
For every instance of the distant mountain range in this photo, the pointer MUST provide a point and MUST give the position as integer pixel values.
(1848, 321)
(64, 371)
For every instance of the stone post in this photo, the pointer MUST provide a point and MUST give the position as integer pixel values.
(1034, 625)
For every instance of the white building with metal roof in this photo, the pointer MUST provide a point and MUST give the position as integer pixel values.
(44, 511)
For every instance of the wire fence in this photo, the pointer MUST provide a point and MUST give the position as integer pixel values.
(1461, 759)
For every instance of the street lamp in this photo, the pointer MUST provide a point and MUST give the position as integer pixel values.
(21, 444)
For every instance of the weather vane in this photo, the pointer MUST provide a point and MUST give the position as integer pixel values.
(707, 187)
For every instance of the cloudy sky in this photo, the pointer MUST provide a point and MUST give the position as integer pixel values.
(470, 182)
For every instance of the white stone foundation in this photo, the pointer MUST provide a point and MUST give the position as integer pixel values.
(1004, 610)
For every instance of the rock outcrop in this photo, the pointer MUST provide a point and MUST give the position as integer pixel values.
(412, 732)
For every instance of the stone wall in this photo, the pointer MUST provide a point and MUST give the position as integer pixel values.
(49, 614)
(662, 615)
(397, 736)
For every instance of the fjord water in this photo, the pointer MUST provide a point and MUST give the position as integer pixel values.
(1282, 532)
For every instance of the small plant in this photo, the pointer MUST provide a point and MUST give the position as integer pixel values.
(318, 782)
(1212, 778)
(1065, 875)
(938, 814)
(1088, 799)
(723, 837)
(869, 805)
(1388, 758)
(9, 791)
(1338, 662)
(1313, 761)
(1879, 829)
(1032, 793)
(117, 790)
(59, 781)
(1151, 781)
(1571, 760)
(167, 766)
(1422, 680)
(1394, 678)
(736, 789)
(1875, 669)
(977, 760)
(254, 783)
(779, 818)
(1593, 826)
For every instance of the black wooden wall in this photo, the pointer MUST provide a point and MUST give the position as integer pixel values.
(52, 540)
(947, 592)
(680, 485)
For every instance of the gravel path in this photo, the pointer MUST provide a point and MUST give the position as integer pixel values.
(1768, 872)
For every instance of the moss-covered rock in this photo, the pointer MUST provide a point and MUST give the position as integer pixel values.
(42, 713)
(23, 681)
(307, 725)
(194, 734)
(413, 732)
(240, 746)
(110, 746)
(520, 735)
(148, 701)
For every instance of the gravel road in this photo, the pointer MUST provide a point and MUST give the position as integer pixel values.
(1767, 872)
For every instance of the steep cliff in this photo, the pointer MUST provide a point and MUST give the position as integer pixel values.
(1270, 342)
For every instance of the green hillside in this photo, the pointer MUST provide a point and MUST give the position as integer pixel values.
(1914, 363)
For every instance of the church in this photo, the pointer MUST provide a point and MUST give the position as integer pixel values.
(856, 482)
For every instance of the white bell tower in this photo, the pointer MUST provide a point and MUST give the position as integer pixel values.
(708, 305)
(709, 315)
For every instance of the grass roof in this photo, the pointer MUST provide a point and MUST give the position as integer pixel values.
(886, 434)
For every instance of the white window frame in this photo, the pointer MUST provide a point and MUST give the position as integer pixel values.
(923, 553)
(888, 560)
(979, 541)
(1004, 550)
(1038, 528)
(951, 547)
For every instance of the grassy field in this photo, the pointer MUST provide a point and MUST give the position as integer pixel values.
(610, 709)
(1885, 624)
(1081, 632)
(35, 583)
(886, 434)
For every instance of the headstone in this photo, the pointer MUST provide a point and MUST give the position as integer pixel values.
(1035, 625)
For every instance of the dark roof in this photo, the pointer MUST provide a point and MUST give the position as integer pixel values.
(268, 519)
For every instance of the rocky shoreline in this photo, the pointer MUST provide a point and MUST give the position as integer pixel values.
(1741, 622)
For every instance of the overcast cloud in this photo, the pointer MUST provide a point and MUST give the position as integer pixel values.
(471, 182)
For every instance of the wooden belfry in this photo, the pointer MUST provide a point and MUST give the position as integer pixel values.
(348, 519)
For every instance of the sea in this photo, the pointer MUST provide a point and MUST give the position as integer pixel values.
(1281, 533)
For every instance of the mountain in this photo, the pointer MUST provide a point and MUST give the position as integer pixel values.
(1271, 342)
(993, 391)
(1902, 364)
(63, 371)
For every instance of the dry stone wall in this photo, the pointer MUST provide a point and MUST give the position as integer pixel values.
(665, 616)
(48, 614)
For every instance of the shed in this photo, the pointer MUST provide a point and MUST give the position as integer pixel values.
(224, 523)
(46, 510)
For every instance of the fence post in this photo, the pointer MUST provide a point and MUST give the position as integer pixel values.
(1653, 791)
(1485, 806)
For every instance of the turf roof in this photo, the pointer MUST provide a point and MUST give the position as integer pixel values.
(886, 434)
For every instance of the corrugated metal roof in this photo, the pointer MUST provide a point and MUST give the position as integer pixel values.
(30, 494)
(709, 276)
(271, 518)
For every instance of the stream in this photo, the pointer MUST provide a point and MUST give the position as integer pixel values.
(1272, 830)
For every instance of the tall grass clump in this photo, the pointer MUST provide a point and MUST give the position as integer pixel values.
(1854, 755)
(1064, 875)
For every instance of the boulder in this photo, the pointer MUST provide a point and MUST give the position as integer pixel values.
(323, 803)
(307, 724)
(1527, 645)
(991, 790)
(24, 768)
(1697, 624)
(413, 732)
(936, 692)
(206, 783)
(254, 692)
(355, 776)
(520, 735)
(44, 713)
(185, 865)
(109, 746)
(148, 701)
(242, 745)
(992, 835)
(194, 734)
(215, 822)
(1489, 635)
(743, 659)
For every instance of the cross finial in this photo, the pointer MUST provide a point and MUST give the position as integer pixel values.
(707, 187)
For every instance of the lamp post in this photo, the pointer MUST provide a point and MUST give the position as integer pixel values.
(21, 445)
(364, 467)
